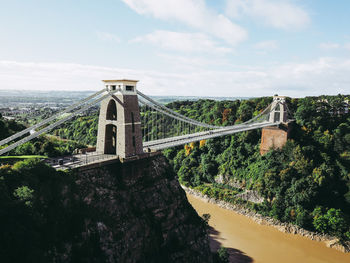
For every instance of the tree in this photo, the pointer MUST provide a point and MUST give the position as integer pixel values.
(329, 221)
(342, 137)
(25, 149)
(209, 167)
(206, 218)
(302, 218)
(223, 255)
(245, 110)
(48, 148)
(25, 194)
(3, 130)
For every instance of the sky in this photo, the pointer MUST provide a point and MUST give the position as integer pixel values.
(232, 48)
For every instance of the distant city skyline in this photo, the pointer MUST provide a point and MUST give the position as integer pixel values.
(228, 48)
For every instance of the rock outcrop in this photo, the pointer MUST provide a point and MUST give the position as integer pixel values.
(134, 212)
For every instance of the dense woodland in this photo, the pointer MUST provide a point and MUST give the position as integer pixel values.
(82, 129)
(33, 214)
(305, 183)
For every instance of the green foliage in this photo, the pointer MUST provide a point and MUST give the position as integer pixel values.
(46, 146)
(312, 169)
(329, 221)
(43, 145)
(80, 129)
(24, 193)
(25, 149)
(222, 255)
(37, 211)
(206, 218)
(9, 127)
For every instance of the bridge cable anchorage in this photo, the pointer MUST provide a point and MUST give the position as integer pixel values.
(38, 125)
(55, 124)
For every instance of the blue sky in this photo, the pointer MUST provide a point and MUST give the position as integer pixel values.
(178, 47)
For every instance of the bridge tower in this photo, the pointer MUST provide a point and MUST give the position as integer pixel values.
(279, 112)
(276, 137)
(119, 124)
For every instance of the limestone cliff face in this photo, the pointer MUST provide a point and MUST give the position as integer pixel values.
(134, 212)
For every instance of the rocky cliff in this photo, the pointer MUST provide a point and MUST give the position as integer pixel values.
(134, 212)
(120, 212)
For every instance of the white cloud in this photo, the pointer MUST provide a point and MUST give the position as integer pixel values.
(328, 46)
(333, 46)
(187, 42)
(281, 14)
(267, 45)
(347, 46)
(108, 37)
(321, 76)
(193, 13)
(193, 63)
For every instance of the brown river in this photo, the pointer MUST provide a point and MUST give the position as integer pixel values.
(248, 241)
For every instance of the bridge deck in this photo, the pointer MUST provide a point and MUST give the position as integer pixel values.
(184, 139)
(78, 160)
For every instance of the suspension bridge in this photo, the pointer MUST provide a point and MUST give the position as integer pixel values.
(132, 124)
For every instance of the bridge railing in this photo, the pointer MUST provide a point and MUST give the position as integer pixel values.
(74, 161)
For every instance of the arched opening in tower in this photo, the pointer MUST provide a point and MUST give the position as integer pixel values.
(111, 139)
(111, 111)
(277, 113)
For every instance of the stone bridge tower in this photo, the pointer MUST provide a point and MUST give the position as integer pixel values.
(276, 137)
(279, 112)
(119, 124)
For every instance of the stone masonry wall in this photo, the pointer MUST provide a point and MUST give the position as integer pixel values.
(273, 137)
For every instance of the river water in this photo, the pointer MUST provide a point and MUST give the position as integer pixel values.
(248, 241)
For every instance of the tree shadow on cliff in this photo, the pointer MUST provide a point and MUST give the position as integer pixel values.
(235, 255)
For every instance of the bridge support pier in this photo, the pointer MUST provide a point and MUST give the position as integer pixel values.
(276, 137)
(119, 126)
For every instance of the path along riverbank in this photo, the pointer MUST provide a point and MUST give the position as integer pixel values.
(253, 238)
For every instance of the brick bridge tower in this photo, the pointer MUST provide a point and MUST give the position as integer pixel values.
(119, 124)
(276, 137)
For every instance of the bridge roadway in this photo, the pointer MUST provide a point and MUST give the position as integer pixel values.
(75, 161)
(78, 160)
(205, 135)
